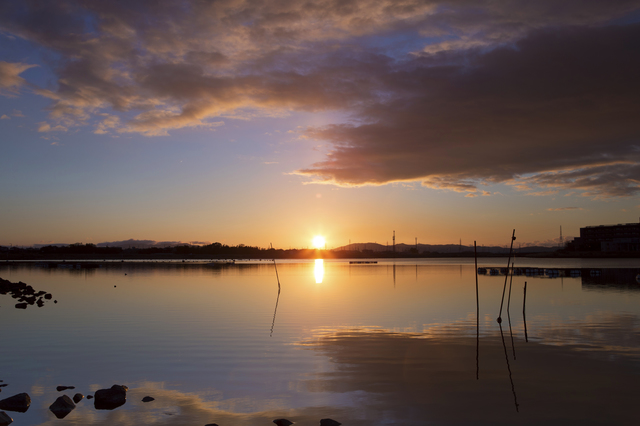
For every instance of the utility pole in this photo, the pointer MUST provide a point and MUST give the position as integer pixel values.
(561, 241)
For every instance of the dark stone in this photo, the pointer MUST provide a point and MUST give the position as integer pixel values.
(48, 296)
(21, 305)
(89, 396)
(3, 385)
(329, 422)
(148, 399)
(62, 388)
(62, 406)
(19, 403)
(78, 397)
(211, 424)
(108, 399)
(283, 422)
(5, 420)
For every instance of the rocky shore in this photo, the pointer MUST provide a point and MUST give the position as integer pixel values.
(103, 399)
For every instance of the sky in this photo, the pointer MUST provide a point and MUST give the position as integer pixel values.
(271, 122)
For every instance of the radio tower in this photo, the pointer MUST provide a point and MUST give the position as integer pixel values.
(561, 241)
(394, 243)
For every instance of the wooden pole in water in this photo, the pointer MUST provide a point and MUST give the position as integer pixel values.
(274, 265)
(475, 254)
(275, 311)
(513, 237)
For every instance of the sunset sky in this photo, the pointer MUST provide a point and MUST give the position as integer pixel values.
(258, 122)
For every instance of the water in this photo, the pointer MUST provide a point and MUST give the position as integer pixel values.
(390, 343)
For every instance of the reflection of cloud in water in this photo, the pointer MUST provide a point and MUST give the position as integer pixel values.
(36, 390)
(413, 378)
(394, 377)
(607, 332)
(174, 408)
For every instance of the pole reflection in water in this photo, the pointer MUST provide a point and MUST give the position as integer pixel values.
(394, 274)
(513, 347)
(524, 315)
(506, 356)
(319, 270)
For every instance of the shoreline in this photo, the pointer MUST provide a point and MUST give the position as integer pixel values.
(307, 255)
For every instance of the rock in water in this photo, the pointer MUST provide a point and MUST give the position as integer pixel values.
(148, 399)
(5, 420)
(283, 422)
(329, 422)
(62, 406)
(108, 399)
(62, 388)
(19, 403)
(78, 397)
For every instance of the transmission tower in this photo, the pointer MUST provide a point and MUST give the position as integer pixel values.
(394, 243)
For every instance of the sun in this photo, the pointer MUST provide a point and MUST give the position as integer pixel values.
(319, 242)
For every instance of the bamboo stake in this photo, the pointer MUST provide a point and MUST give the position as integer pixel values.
(513, 237)
(475, 253)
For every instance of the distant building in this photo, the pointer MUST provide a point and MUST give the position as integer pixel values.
(608, 238)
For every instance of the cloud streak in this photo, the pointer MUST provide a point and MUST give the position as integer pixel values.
(10, 80)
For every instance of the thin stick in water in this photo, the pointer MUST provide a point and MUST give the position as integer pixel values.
(513, 237)
(475, 254)
(275, 311)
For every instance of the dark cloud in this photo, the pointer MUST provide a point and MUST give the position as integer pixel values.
(455, 94)
(555, 110)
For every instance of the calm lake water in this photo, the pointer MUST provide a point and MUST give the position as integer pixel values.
(383, 344)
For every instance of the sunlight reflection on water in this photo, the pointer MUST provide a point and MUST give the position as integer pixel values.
(318, 270)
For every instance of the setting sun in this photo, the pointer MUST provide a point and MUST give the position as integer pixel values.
(319, 242)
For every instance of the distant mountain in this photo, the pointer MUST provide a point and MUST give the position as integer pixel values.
(142, 244)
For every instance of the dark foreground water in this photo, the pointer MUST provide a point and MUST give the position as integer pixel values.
(363, 344)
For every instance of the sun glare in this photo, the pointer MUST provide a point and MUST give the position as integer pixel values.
(319, 242)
